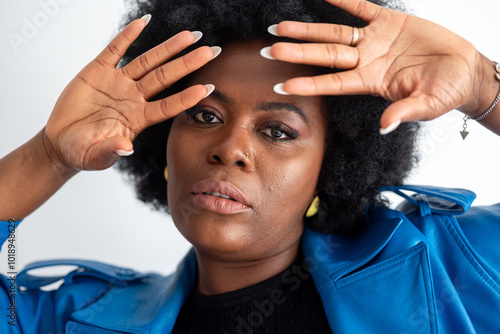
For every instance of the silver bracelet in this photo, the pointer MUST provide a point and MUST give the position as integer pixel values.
(464, 132)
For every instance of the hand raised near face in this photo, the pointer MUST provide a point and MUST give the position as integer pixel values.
(423, 68)
(104, 108)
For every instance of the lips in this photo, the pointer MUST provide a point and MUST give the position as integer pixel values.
(219, 197)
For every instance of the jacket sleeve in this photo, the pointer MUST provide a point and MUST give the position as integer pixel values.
(25, 307)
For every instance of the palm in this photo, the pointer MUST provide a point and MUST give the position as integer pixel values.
(100, 109)
(435, 72)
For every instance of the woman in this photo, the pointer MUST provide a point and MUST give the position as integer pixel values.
(245, 166)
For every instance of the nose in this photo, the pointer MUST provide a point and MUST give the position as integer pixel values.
(232, 148)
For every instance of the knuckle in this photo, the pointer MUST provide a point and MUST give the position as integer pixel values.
(360, 8)
(161, 77)
(166, 48)
(140, 88)
(336, 33)
(356, 56)
(101, 62)
(144, 61)
(113, 49)
(164, 107)
(126, 71)
(187, 62)
(307, 29)
(301, 56)
(332, 53)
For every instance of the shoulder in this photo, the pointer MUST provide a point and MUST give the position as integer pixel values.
(85, 285)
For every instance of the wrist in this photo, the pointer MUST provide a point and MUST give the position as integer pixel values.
(45, 158)
(485, 90)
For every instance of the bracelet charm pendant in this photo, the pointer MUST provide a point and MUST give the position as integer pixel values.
(464, 132)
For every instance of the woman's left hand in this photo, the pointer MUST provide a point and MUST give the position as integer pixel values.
(425, 69)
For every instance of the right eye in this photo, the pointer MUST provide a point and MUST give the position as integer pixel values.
(202, 116)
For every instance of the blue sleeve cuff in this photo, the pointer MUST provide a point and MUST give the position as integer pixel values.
(8, 230)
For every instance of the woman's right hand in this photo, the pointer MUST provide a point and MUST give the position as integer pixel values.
(104, 108)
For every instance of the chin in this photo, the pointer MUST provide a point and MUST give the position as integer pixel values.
(220, 238)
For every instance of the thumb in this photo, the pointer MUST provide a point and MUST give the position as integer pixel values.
(106, 152)
(408, 109)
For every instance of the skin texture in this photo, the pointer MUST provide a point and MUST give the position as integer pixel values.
(277, 177)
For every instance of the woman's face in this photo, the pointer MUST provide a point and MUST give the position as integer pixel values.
(244, 163)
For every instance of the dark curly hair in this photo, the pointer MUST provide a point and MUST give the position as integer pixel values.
(357, 159)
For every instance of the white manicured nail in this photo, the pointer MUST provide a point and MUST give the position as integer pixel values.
(197, 35)
(210, 88)
(216, 50)
(393, 126)
(266, 53)
(279, 89)
(123, 153)
(272, 30)
(146, 18)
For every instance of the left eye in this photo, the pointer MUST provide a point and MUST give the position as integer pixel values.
(202, 116)
(206, 117)
(275, 133)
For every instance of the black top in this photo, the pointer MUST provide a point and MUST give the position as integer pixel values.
(285, 303)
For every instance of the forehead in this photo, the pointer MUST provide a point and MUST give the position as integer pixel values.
(242, 73)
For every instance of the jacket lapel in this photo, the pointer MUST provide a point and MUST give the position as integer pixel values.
(150, 306)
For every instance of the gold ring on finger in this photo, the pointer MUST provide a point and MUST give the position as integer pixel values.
(355, 36)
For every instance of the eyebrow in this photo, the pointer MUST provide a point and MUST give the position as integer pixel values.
(266, 106)
(221, 97)
(272, 106)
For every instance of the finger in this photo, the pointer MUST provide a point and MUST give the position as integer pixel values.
(157, 56)
(328, 55)
(416, 107)
(344, 83)
(114, 51)
(164, 76)
(161, 110)
(362, 9)
(315, 32)
(108, 151)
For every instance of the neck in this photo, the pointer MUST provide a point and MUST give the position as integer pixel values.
(216, 275)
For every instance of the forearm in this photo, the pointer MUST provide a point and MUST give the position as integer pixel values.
(28, 177)
(487, 89)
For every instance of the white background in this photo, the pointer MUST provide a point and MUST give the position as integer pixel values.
(95, 215)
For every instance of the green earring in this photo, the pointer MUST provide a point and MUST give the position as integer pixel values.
(165, 174)
(313, 208)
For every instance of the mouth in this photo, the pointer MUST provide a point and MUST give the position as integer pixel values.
(219, 197)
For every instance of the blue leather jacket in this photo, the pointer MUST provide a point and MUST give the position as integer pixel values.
(432, 267)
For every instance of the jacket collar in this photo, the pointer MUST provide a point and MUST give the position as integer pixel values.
(331, 257)
(149, 306)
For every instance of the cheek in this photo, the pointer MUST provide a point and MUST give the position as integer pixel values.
(292, 185)
(180, 156)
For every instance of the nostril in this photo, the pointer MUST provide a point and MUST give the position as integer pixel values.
(240, 163)
(216, 158)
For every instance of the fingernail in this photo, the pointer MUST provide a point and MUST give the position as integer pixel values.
(210, 88)
(273, 30)
(123, 153)
(197, 35)
(266, 53)
(279, 89)
(216, 50)
(146, 18)
(393, 126)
